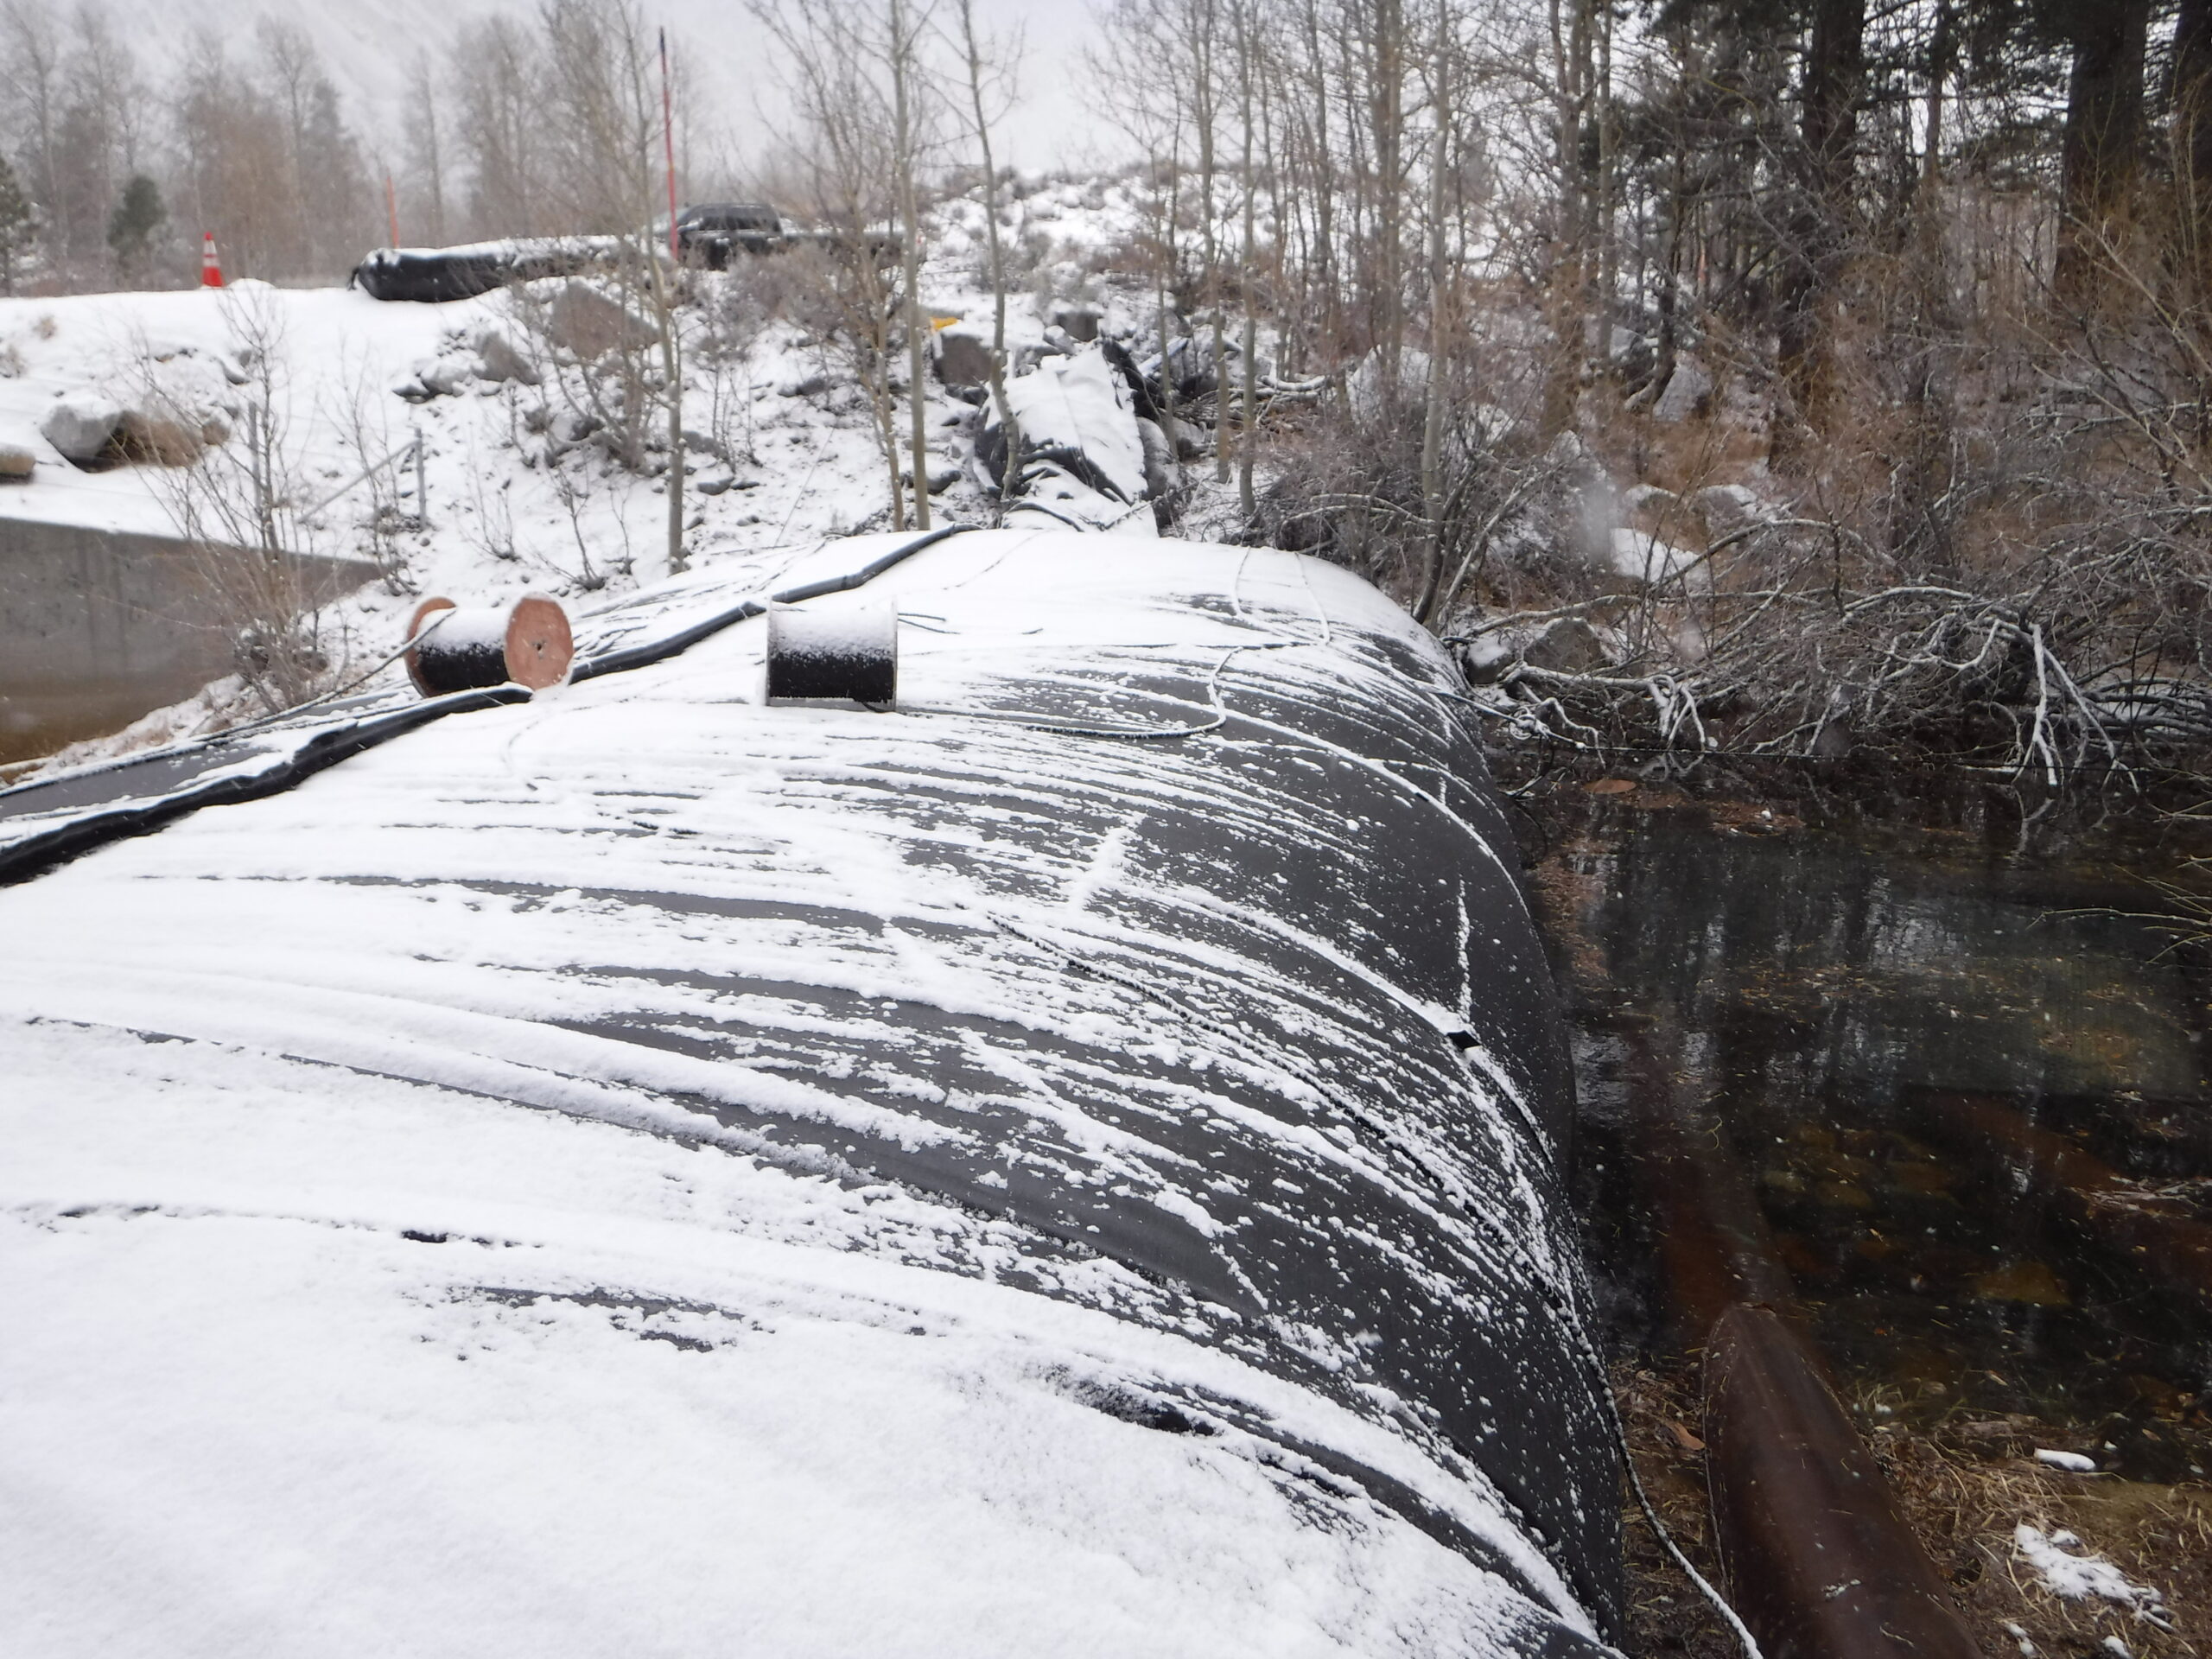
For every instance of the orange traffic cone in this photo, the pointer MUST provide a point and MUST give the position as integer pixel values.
(211, 268)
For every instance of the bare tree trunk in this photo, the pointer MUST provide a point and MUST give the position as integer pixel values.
(1829, 91)
(1324, 180)
(972, 49)
(1203, 22)
(1388, 106)
(1602, 208)
(32, 68)
(1571, 77)
(902, 96)
(2192, 136)
(1943, 46)
(424, 145)
(1431, 435)
(1248, 435)
(2101, 148)
(1168, 377)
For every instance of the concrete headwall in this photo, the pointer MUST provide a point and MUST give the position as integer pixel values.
(96, 628)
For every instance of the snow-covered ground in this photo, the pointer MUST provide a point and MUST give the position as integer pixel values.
(513, 508)
(1060, 1169)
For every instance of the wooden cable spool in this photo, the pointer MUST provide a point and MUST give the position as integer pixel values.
(527, 643)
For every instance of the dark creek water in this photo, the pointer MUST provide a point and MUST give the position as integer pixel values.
(1891, 1038)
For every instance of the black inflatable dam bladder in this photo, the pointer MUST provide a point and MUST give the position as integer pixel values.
(456, 649)
(847, 655)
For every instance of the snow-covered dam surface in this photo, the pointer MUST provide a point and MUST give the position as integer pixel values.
(1067, 1167)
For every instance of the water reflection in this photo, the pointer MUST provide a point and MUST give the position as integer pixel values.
(1890, 1037)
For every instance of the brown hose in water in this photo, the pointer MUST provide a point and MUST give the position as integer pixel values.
(1820, 1563)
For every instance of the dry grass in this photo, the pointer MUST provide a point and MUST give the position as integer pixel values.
(1658, 1404)
(1964, 1509)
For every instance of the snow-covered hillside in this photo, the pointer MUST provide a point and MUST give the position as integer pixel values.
(782, 443)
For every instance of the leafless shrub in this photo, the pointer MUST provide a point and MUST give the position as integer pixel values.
(238, 508)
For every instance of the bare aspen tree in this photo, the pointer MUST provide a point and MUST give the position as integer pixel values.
(982, 59)
(1321, 177)
(1432, 439)
(608, 144)
(425, 146)
(292, 68)
(1153, 101)
(31, 66)
(1199, 21)
(1571, 39)
(829, 53)
(1248, 48)
(1274, 169)
(498, 70)
(1604, 185)
(902, 43)
(1386, 112)
(107, 105)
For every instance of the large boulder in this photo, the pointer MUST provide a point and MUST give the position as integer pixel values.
(1078, 318)
(444, 377)
(962, 359)
(18, 454)
(498, 358)
(155, 431)
(1564, 645)
(175, 410)
(1688, 392)
(586, 321)
(1727, 508)
(1160, 473)
(79, 425)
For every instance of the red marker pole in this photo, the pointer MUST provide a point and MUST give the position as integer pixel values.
(667, 136)
(391, 208)
(211, 268)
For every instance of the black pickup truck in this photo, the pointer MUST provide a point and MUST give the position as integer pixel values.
(708, 233)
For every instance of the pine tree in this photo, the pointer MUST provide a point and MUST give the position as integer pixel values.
(137, 218)
(18, 227)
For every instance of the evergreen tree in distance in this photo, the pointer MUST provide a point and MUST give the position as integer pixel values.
(18, 227)
(131, 228)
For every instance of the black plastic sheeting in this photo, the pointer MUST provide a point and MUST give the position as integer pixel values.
(1442, 1257)
(1513, 1388)
(434, 275)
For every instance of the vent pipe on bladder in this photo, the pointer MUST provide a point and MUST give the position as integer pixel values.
(847, 655)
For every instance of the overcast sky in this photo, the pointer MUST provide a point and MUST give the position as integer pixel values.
(1051, 126)
(369, 49)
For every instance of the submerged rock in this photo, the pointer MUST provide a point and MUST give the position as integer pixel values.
(1688, 392)
(962, 359)
(2022, 1282)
